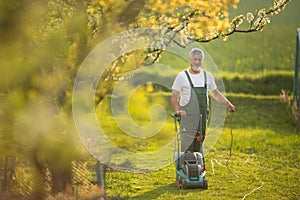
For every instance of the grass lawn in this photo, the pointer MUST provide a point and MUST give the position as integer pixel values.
(264, 162)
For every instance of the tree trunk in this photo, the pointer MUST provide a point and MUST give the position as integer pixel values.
(38, 184)
(8, 171)
(61, 178)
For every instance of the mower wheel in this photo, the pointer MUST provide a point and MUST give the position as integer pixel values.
(205, 185)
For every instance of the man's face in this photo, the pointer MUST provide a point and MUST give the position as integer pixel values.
(196, 61)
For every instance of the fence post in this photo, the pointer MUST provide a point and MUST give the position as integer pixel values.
(297, 66)
(101, 175)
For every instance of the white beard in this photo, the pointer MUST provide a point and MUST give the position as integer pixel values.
(196, 69)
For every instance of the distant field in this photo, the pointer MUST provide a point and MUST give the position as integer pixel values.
(271, 49)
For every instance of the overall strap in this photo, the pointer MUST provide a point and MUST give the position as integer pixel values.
(205, 84)
(191, 83)
(189, 78)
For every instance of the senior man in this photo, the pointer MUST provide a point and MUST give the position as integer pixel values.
(190, 100)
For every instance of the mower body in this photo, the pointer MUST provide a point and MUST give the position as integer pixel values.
(190, 171)
(190, 167)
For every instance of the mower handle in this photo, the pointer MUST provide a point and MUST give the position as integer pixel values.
(176, 118)
(175, 115)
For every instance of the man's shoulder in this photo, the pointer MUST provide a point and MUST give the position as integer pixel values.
(208, 73)
(181, 74)
(183, 71)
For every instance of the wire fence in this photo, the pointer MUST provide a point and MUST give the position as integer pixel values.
(17, 180)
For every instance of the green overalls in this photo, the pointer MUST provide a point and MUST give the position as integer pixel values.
(190, 125)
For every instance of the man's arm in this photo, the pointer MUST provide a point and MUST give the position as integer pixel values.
(220, 98)
(175, 103)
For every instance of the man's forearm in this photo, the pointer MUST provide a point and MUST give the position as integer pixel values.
(174, 100)
(175, 103)
(220, 98)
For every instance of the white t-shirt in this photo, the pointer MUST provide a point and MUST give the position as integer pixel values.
(182, 85)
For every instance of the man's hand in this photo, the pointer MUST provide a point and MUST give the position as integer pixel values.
(181, 113)
(230, 107)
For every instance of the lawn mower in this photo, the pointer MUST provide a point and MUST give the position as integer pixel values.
(190, 169)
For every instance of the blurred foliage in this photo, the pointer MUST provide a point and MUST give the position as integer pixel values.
(141, 109)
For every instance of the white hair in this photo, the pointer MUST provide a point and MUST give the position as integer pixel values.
(196, 51)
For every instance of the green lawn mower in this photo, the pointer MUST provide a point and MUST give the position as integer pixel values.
(190, 169)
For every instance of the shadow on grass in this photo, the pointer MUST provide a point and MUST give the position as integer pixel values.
(168, 192)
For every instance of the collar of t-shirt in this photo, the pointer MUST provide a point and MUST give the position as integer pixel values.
(197, 79)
